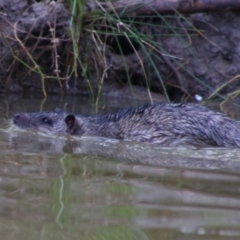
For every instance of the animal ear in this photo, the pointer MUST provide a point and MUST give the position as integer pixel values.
(71, 123)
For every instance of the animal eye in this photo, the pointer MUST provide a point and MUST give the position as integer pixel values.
(46, 120)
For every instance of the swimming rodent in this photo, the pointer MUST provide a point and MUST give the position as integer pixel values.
(165, 124)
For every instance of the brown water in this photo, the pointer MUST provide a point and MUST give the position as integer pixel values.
(91, 188)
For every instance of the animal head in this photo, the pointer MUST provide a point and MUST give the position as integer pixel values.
(46, 122)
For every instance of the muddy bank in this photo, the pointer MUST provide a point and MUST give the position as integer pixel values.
(194, 54)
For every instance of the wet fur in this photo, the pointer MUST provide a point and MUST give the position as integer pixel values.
(163, 124)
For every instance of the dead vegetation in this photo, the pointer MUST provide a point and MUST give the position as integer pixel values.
(46, 47)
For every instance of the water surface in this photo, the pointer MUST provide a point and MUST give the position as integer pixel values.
(91, 188)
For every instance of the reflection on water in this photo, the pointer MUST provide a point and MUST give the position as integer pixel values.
(91, 188)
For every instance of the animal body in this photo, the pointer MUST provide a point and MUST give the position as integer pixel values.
(165, 124)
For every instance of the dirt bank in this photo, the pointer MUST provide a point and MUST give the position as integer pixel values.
(194, 54)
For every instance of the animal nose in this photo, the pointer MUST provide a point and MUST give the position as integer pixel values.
(16, 118)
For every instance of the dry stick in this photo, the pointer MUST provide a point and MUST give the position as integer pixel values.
(101, 84)
(179, 67)
(94, 33)
(143, 69)
(186, 32)
(175, 71)
(4, 36)
(67, 76)
(140, 7)
(97, 39)
(230, 96)
(37, 68)
(31, 58)
(55, 42)
(223, 86)
(120, 24)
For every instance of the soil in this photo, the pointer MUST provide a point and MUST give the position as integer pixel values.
(196, 57)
